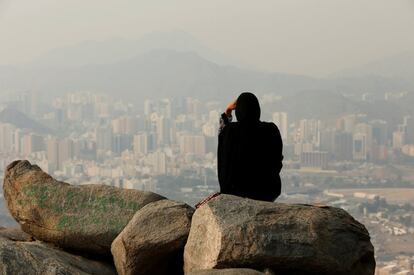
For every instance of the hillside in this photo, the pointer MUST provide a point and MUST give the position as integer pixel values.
(399, 66)
(20, 120)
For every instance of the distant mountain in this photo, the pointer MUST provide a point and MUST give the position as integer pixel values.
(322, 104)
(161, 73)
(117, 49)
(20, 120)
(156, 74)
(316, 104)
(400, 66)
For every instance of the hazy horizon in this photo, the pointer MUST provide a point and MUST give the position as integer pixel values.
(312, 38)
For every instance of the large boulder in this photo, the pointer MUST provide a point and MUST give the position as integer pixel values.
(153, 241)
(20, 255)
(83, 218)
(230, 231)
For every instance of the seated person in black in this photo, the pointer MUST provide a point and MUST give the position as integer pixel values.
(249, 152)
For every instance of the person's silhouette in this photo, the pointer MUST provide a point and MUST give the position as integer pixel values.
(249, 152)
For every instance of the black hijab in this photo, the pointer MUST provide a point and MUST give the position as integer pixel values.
(247, 108)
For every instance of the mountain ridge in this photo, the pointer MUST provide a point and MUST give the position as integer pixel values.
(165, 64)
(20, 120)
(400, 66)
(116, 49)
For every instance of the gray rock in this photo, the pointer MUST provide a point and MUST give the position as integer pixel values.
(153, 241)
(83, 218)
(15, 234)
(26, 258)
(230, 231)
(228, 271)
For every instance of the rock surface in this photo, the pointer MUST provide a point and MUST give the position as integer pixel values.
(33, 257)
(289, 239)
(153, 241)
(15, 234)
(228, 271)
(83, 218)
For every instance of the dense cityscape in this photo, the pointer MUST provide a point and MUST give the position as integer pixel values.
(169, 146)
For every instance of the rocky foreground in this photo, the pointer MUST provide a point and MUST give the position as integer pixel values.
(97, 229)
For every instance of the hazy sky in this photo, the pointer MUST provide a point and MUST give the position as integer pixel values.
(313, 37)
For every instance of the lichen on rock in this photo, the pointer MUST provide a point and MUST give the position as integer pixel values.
(86, 218)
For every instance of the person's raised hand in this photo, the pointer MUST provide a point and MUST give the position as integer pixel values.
(231, 107)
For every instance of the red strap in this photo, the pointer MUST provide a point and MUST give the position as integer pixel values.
(209, 198)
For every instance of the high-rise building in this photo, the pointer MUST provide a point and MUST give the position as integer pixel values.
(60, 116)
(52, 148)
(104, 136)
(158, 161)
(409, 129)
(299, 148)
(379, 132)
(343, 146)
(122, 142)
(347, 123)
(314, 159)
(193, 106)
(210, 129)
(193, 144)
(211, 144)
(164, 108)
(363, 132)
(281, 120)
(327, 137)
(29, 103)
(214, 116)
(6, 137)
(31, 143)
(148, 107)
(125, 125)
(103, 109)
(140, 144)
(74, 112)
(398, 139)
(17, 137)
(163, 129)
(379, 153)
(84, 149)
(360, 148)
(309, 131)
(65, 151)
